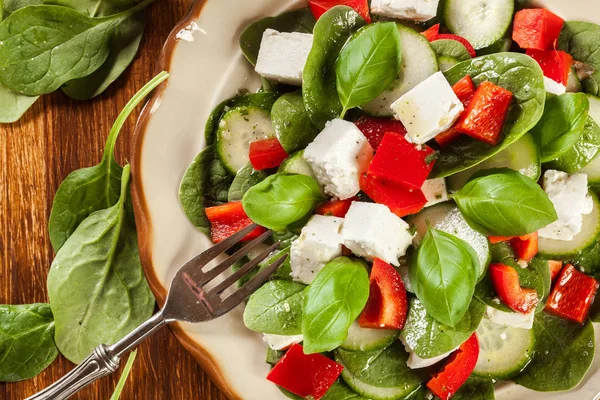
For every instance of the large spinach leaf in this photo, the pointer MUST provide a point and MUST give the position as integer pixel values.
(98, 292)
(515, 72)
(243, 181)
(332, 302)
(580, 39)
(26, 341)
(582, 152)
(292, 123)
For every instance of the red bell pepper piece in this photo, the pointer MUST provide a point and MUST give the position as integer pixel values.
(465, 90)
(506, 283)
(387, 305)
(401, 200)
(266, 153)
(227, 219)
(573, 295)
(484, 118)
(536, 28)
(306, 375)
(555, 64)
(320, 7)
(375, 128)
(335, 208)
(432, 34)
(526, 247)
(555, 268)
(457, 370)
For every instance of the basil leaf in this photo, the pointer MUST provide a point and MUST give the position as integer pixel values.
(561, 125)
(276, 308)
(506, 203)
(582, 152)
(332, 302)
(124, 375)
(580, 39)
(292, 123)
(368, 64)
(319, 78)
(443, 274)
(243, 181)
(26, 341)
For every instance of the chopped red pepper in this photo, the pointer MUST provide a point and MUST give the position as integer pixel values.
(320, 7)
(457, 370)
(432, 34)
(555, 64)
(484, 118)
(335, 208)
(573, 295)
(306, 375)
(227, 219)
(506, 283)
(401, 200)
(555, 268)
(375, 128)
(266, 153)
(526, 247)
(387, 305)
(464, 90)
(536, 28)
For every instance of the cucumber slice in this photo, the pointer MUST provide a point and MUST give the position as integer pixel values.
(365, 339)
(296, 164)
(449, 53)
(237, 129)
(504, 351)
(418, 63)
(481, 22)
(522, 156)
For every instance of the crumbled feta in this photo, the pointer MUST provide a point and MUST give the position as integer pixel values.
(415, 10)
(554, 87)
(435, 191)
(338, 156)
(282, 56)
(569, 194)
(428, 109)
(281, 342)
(416, 362)
(372, 231)
(319, 242)
(513, 319)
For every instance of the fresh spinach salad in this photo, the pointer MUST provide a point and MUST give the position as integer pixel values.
(431, 171)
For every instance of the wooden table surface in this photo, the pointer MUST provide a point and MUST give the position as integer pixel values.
(55, 137)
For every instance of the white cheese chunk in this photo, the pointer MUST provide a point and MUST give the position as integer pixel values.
(513, 319)
(416, 362)
(373, 231)
(319, 242)
(338, 156)
(282, 56)
(428, 109)
(554, 87)
(435, 191)
(569, 195)
(415, 10)
(281, 342)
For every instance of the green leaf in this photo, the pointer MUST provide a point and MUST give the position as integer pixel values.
(91, 189)
(26, 341)
(243, 181)
(504, 202)
(8, 7)
(292, 123)
(13, 105)
(95, 8)
(124, 375)
(580, 39)
(429, 338)
(582, 152)
(276, 308)
(319, 79)
(98, 292)
(332, 302)
(443, 274)
(368, 64)
(449, 53)
(561, 125)
(476, 389)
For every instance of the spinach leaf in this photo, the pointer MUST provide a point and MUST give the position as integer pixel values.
(243, 181)
(282, 199)
(319, 79)
(293, 21)
(580, 39)
(26, 341)
(332, 302)
(582, 152)
(476, 389)
(429, 338)
(443, 274)
(8, 7)
(124, 375)
(276, 308)
(561, 125)
(91, 189)
(449, 53)
(95, 8)
(368, 64)
(292, 123)
(504, 202)
(563, 354)
(338, 391)
(13, 105)
(98, 292)
(515, 72)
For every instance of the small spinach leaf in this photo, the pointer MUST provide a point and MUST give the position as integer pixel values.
(449, 53)
(582, 152)
(124, 375)
(580, 39)
(292, 123)
(476, 389)
(243, 181)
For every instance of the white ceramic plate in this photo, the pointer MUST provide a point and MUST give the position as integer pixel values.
(207, 67)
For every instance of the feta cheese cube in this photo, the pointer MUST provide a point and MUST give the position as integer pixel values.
(281, 342)
(338, 156)
(513, 319)
(319, 242)
(569, 194)
(373, 231)
(435, 191)
(416, 362)
(282, 56)
(415, 10)
(428, 109)
(554, 87)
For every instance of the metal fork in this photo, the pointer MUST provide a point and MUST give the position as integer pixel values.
(188, 300)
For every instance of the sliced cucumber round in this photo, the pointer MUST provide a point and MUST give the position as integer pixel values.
(504, 351)
(296, 164)
(418, 63)
(366, 339)
(449, 53)
(522, 156)
(481, 22)
(239, 127)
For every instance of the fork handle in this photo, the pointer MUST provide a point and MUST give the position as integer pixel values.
(102, 362)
